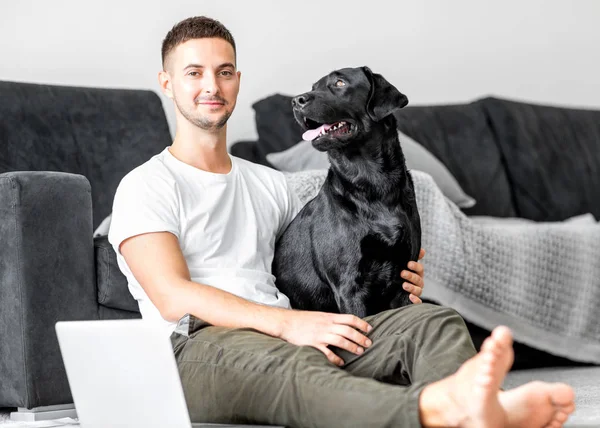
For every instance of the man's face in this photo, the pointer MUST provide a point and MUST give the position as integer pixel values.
(203, 81)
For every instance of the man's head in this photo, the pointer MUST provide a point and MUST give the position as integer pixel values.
(199, 71)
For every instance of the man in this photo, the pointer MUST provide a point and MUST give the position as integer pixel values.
(194, 229)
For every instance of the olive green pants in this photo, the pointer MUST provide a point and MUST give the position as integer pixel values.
(244, 376)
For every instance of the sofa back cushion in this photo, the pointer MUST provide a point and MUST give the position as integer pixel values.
(459, 136)
(552, 157)
(276, 126)
(113, 291)
(99, 133)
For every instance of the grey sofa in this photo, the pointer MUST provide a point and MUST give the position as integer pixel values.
(64, 151)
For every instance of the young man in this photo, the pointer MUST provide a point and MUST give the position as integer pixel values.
(194, 229)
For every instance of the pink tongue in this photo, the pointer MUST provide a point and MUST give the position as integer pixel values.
(311, 134)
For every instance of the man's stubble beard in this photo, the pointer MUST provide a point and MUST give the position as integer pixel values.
(203, 122)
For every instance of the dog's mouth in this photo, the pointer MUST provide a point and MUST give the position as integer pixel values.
(317, 130)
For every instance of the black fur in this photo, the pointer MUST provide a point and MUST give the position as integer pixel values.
(345, 250)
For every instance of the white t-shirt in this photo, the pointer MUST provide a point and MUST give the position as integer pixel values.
(226, 224)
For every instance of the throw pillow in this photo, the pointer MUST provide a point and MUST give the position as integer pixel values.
(276, 126)
(303, 156)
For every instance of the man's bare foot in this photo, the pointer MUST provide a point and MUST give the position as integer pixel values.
(472, 397)
(554, 403)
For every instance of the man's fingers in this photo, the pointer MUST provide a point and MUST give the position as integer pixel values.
(353, 321)
(413, 278)
(352, 335)
(343, 343)
(331, 355)
(421, 253)
(416, 267)
(414, 299)
(415, 291)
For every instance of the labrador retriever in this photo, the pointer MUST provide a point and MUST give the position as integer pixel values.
(345, 250)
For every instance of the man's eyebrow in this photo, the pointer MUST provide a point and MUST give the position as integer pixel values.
(224, 65)
(193, 66)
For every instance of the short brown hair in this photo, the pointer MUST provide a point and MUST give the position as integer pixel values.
(196, 27)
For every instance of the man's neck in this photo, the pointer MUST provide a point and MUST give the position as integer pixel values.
(202, 149)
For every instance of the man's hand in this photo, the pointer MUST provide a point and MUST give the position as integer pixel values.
(320, 329)
(415, 282)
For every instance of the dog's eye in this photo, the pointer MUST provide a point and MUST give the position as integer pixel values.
(340, 83)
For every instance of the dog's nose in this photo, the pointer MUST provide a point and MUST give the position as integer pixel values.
(300, 101)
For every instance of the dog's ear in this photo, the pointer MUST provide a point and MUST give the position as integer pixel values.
(383, 97)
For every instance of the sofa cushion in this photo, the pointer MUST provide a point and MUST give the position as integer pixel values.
(99, 133)
(552, 157)
(275, 124)
(458, 135)
(248, 150)
(113, 291)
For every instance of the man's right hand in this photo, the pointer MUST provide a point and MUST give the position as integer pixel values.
(320, 329)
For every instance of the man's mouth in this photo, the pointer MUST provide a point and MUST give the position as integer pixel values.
(210, 102)
(317, 130)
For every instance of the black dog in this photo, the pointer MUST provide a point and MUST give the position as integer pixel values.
(345, 250)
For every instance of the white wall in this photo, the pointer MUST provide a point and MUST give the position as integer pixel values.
(435, 51)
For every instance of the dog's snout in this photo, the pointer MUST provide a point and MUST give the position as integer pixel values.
(300, 101)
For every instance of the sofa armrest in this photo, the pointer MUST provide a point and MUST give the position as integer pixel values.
(46, 275)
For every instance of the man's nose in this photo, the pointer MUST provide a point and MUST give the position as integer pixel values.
(301, 100)
(210, 83)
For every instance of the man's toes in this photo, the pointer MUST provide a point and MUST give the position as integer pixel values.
(503, 336)
(561, 417)
(567, 409)
(492, 346)
(562, 395)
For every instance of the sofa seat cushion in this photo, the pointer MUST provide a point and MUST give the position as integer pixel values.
(112, 284)
(552, 158)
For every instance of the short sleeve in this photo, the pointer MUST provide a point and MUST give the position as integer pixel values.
(143, 204)
(292, 207)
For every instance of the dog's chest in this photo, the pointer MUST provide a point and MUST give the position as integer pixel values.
(390, 226)
(386, 245)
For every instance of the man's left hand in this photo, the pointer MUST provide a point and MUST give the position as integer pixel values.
(414, 279)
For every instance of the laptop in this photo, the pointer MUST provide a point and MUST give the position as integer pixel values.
(122, 373)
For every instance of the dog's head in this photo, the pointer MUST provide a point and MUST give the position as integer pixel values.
(344, 106)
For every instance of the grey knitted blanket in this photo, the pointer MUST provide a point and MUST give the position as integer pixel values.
(540, 279)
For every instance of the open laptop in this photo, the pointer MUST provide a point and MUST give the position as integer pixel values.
(122, 373)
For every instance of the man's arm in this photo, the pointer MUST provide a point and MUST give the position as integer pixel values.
(156, 261)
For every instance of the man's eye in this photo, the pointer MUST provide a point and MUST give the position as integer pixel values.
(193, 73)
(227, 73)
(340, 83)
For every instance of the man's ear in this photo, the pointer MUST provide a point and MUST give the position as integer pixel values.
(383, 98)
(164, 80)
